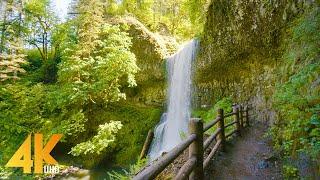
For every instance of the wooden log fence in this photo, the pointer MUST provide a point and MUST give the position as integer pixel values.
(194, 167)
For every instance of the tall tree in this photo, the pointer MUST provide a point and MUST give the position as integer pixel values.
(41, 21)
(93, 71)
(101, 57)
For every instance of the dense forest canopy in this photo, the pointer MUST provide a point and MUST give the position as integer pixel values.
(98, 77)
(83, 77)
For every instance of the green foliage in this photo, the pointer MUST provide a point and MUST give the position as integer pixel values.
(83, 70)
(137, 120)
(41, 18)
(241, 40)
(4, 173)
(127, 175)
(26, 109)
(77, 72)
(34, 60)
(290, 172)
(253, 50)
(67, 107)
(297, 93)
(11, 62)
(225, 104)
(105, 136)
(12, 55)
(93, 71)
(17, 121)
(180, 18)
(211, 114)
(39, 70)
(135, 168)
(38, 8)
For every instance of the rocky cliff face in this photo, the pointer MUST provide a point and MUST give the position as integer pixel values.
(264, 53)
(151, 50)
(241, 41)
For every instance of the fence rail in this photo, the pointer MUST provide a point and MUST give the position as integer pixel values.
(194, 167)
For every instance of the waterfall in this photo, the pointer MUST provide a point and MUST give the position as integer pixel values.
(173, 125)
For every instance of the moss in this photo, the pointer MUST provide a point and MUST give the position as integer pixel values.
(137, 120)
(151, 50)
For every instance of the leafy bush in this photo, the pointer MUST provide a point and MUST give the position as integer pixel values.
(127, 175)
(105, 136)
(137, 120)
(290, 172)
(69, 106)
(297, 94)
(211, 114)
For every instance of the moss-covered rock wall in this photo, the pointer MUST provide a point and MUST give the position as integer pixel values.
(151, 50)
(266, 53)
(240, 40)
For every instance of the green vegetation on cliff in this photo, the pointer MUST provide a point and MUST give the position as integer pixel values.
(266, 53)
(297, 90)
(99, 78)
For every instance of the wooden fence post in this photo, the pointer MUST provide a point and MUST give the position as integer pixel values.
(196, 148)
(241, 116)
(222, 134)
(247, 115)
(146, 144)
(235, 110)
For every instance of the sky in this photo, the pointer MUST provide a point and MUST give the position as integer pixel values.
(61, 7)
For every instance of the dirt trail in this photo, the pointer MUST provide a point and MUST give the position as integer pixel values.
(247, 157)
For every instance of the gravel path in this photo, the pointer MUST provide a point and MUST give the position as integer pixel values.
(247, 157)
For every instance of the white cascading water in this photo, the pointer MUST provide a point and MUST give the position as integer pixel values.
(174, 123)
